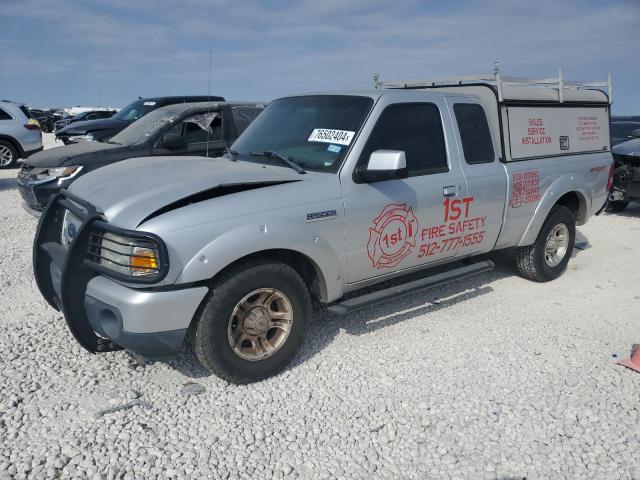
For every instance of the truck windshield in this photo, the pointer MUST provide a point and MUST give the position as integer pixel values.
(313, 131)
(141, 130)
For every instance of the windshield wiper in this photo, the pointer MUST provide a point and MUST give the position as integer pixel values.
(288, 160)
(114, 143)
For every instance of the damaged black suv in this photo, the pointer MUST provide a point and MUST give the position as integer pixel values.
(194, 129)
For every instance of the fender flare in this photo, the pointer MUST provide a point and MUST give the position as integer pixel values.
(242, 242)
(569, 183)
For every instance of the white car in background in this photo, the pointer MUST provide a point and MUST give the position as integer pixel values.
(20, 134)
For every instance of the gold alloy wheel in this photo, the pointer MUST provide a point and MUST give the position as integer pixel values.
(260, 324)
(556, 245)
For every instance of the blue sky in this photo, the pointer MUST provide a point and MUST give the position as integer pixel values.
(72, 52)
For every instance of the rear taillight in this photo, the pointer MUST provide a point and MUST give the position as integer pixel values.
(31, 126)
(610, 179)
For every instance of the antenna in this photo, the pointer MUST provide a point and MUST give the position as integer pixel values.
(209, 100)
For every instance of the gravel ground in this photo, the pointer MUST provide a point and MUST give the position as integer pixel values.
(495, 377)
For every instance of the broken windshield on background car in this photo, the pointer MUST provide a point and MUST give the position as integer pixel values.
(314, 130)
(146, 127)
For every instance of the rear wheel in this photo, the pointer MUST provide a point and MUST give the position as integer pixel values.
(253, 321)
(618, 205)
(8, 154)
(548, 257)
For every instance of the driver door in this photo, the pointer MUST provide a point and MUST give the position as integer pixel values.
(398, 224)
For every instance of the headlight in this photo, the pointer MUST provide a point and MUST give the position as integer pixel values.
(137, 257)
(59, 172)
(81, 138)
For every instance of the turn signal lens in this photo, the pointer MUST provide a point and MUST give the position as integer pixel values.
(143, 261)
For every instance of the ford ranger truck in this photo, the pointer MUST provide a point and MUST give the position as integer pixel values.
(323, 194)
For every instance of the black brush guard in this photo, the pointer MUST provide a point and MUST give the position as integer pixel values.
(75, 271)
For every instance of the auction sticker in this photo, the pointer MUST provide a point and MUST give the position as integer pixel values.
(325, 135)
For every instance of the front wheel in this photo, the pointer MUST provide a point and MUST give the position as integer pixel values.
(253, 321)
(548, 257)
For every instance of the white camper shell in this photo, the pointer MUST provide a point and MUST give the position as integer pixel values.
(537, 117)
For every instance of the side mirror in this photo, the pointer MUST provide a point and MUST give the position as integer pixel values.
(636, 133)
(173, 142)
(384, 165)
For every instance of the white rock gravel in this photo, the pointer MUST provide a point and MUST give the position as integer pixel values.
(491, 378)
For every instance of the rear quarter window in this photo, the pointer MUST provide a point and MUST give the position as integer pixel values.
(474, 133)
(4, 115)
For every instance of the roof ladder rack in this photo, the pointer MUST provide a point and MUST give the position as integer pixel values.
(499, 81)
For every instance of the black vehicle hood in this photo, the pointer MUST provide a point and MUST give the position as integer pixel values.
(630, 148)
(78, 154)
(81, 128)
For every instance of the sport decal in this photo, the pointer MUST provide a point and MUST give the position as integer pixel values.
(326, 135)
(525, 189)
(392, 235)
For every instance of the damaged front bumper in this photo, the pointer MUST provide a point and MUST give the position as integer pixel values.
(101, 313)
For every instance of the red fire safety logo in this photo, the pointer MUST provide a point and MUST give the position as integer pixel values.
(392, 235)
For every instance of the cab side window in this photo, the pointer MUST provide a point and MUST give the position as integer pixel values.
(416, 129)
(474, 133)
(4, 115)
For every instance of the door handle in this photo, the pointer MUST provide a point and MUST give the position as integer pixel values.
(450, 191)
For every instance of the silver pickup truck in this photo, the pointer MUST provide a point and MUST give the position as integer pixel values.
(322, 195)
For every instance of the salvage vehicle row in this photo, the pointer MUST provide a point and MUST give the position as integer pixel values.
(205, 129)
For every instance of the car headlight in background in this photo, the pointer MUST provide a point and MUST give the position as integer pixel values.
(135, 257)
(59, 172)
(81, 138)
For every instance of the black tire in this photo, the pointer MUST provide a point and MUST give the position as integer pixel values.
(209, 339)
(618, 205)
(12, 151)
(531, 261)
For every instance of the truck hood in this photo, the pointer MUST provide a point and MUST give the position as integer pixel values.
(630, 148)
(75, 154)
(82, 128)
(128, 193)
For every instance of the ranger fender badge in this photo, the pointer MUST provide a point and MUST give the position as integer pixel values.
(317, 216)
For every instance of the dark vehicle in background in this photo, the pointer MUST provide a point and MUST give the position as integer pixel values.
(103, 130)
(83, 117)
(45, 119)
(193, 129)
(622, 118)
(624, 130)
(626, 177)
